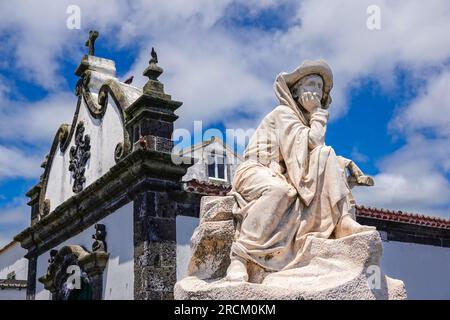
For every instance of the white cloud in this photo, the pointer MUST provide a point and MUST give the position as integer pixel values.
(430, 110)
(14, 217)
(36, 122)
(4, 89)
(17, 163)
(417, 176)
(16, 212)
(215, 70)
(424, 192)
(411, 36)
(218, 72)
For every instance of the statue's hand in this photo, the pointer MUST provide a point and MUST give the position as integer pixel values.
(310, 101)
(365, 181)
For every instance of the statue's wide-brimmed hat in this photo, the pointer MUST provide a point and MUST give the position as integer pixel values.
(309, 67)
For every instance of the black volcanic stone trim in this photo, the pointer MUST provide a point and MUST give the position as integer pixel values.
(157, 128)
(31, 278)
(411, 233)
(138, 172)
(155, 214)
(155, 270)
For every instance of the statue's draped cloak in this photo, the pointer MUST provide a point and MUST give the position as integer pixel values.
(286, 156)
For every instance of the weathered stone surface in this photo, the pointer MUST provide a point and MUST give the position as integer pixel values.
(212, 239)
(210, 244)
(346, 268)
(213, 208)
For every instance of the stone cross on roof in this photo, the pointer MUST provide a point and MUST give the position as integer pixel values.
(91, 41)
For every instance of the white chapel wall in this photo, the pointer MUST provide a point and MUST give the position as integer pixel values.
(424, 269)
(118, 278)
(185, 229)
(12, 260)
(105, 133)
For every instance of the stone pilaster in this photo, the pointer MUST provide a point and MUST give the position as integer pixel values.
(150, 118)
(155, 247)
(31, 277)
(149, 121)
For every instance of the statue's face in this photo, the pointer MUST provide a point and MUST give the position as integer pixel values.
(311, 83)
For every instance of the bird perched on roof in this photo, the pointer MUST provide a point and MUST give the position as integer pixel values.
(129, 80)
(154, 58)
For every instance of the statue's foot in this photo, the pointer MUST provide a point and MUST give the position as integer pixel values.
(237, 270)
(347, 226)
(365, 181)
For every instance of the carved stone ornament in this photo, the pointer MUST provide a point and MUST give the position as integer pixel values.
(119, 151)
(99, 237)
(82, 82)
(79, 156)
(64, 262)
(46, 207)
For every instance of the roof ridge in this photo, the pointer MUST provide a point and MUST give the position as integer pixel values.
(401, 216)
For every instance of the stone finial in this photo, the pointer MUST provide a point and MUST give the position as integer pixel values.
(93, 35)
(153, 71)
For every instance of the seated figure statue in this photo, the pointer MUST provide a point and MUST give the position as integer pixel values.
(291, 185)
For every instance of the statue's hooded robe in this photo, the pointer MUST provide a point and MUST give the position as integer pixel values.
(291, 186)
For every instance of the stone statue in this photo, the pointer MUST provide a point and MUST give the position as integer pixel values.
(292, 185)
(91, 42)
(99, 237)
(287, 229)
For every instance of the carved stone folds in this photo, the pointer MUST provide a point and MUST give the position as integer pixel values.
(345, 268)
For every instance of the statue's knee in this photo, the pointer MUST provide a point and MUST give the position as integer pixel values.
(281, 191)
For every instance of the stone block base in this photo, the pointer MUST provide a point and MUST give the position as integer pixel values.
(339, 269)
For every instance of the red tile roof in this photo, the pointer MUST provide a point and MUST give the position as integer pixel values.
(13, 284)
(402, 217)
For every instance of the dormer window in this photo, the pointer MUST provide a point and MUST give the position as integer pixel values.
(217, 168)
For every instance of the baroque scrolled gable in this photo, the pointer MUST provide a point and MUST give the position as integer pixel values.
(111, 119)
(95, 141)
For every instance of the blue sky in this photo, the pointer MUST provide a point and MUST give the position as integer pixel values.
(391, 100)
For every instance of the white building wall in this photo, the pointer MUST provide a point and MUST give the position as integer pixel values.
(105, 134)
(12, 260)
(118, 279)
(424, 269)
(13, 294)
(185, 229)
(199, 170)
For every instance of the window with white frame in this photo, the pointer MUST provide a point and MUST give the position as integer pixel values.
(217, 166)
